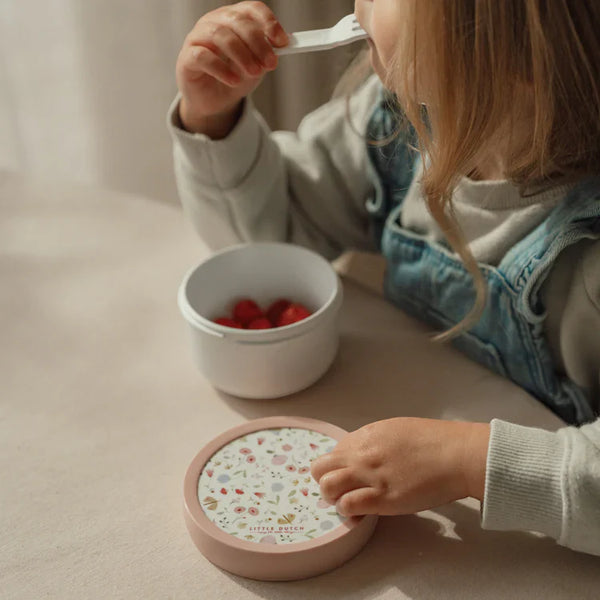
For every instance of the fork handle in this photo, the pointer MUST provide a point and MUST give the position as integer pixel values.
(308, 41)
(303, 41)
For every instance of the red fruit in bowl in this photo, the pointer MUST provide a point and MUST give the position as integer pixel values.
(292, 314)
(246, 310)
(260, 323)
(275, 309)
(227, 322)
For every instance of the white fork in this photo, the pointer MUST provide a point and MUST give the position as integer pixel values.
(345, 31)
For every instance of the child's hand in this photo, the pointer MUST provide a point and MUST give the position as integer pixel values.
(404, 465)
(222, 60)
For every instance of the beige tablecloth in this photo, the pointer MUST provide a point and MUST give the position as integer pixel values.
(102, 410)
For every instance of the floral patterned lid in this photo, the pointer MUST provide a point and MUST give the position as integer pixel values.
(258, 487)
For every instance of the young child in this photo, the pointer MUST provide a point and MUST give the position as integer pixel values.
(498, 209)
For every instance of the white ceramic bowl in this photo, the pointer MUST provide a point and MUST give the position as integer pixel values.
(264, 363)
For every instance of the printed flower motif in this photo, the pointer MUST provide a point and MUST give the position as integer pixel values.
(210, 503)
(285, 481)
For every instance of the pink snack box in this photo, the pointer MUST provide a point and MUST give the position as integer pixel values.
(252, 507)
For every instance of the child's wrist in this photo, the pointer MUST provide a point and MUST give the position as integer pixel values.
(474, 460)
(216, 127)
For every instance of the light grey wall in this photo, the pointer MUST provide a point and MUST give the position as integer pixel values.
(85, 85)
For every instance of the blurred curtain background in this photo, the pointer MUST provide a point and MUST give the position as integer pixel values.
(85, 85)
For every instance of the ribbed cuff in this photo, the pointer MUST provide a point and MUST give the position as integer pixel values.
(523, 488)
(219, 163)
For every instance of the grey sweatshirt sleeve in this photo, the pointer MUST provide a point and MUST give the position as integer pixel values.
(308, 187)
(550, 482)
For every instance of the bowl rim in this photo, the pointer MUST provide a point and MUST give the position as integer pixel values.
(257, 336)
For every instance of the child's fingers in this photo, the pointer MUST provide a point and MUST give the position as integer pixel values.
(223, 41)
(363, 501)
(337, 483)
(270, 25)
(253, 35)
(244, 25)
(326, 463)
(253, 22)
(200, 60)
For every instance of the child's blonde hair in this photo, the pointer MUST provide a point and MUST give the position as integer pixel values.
(497, 65)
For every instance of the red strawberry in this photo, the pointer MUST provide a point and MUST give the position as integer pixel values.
(227, 322)
(246, 310)
(304, 491)
(223, 491)
(292, 314)
(260, 323)
(239, 491)
(275, 309)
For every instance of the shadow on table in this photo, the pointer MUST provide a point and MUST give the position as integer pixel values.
(465, 563)
(396, 375)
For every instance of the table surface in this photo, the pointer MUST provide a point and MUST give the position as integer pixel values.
(102, 409)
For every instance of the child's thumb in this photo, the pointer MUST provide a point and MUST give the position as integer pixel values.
(277, 35)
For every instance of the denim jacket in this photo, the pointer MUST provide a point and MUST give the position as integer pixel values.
(428, 281)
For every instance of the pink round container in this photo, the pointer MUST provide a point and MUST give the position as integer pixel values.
(253, 509)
